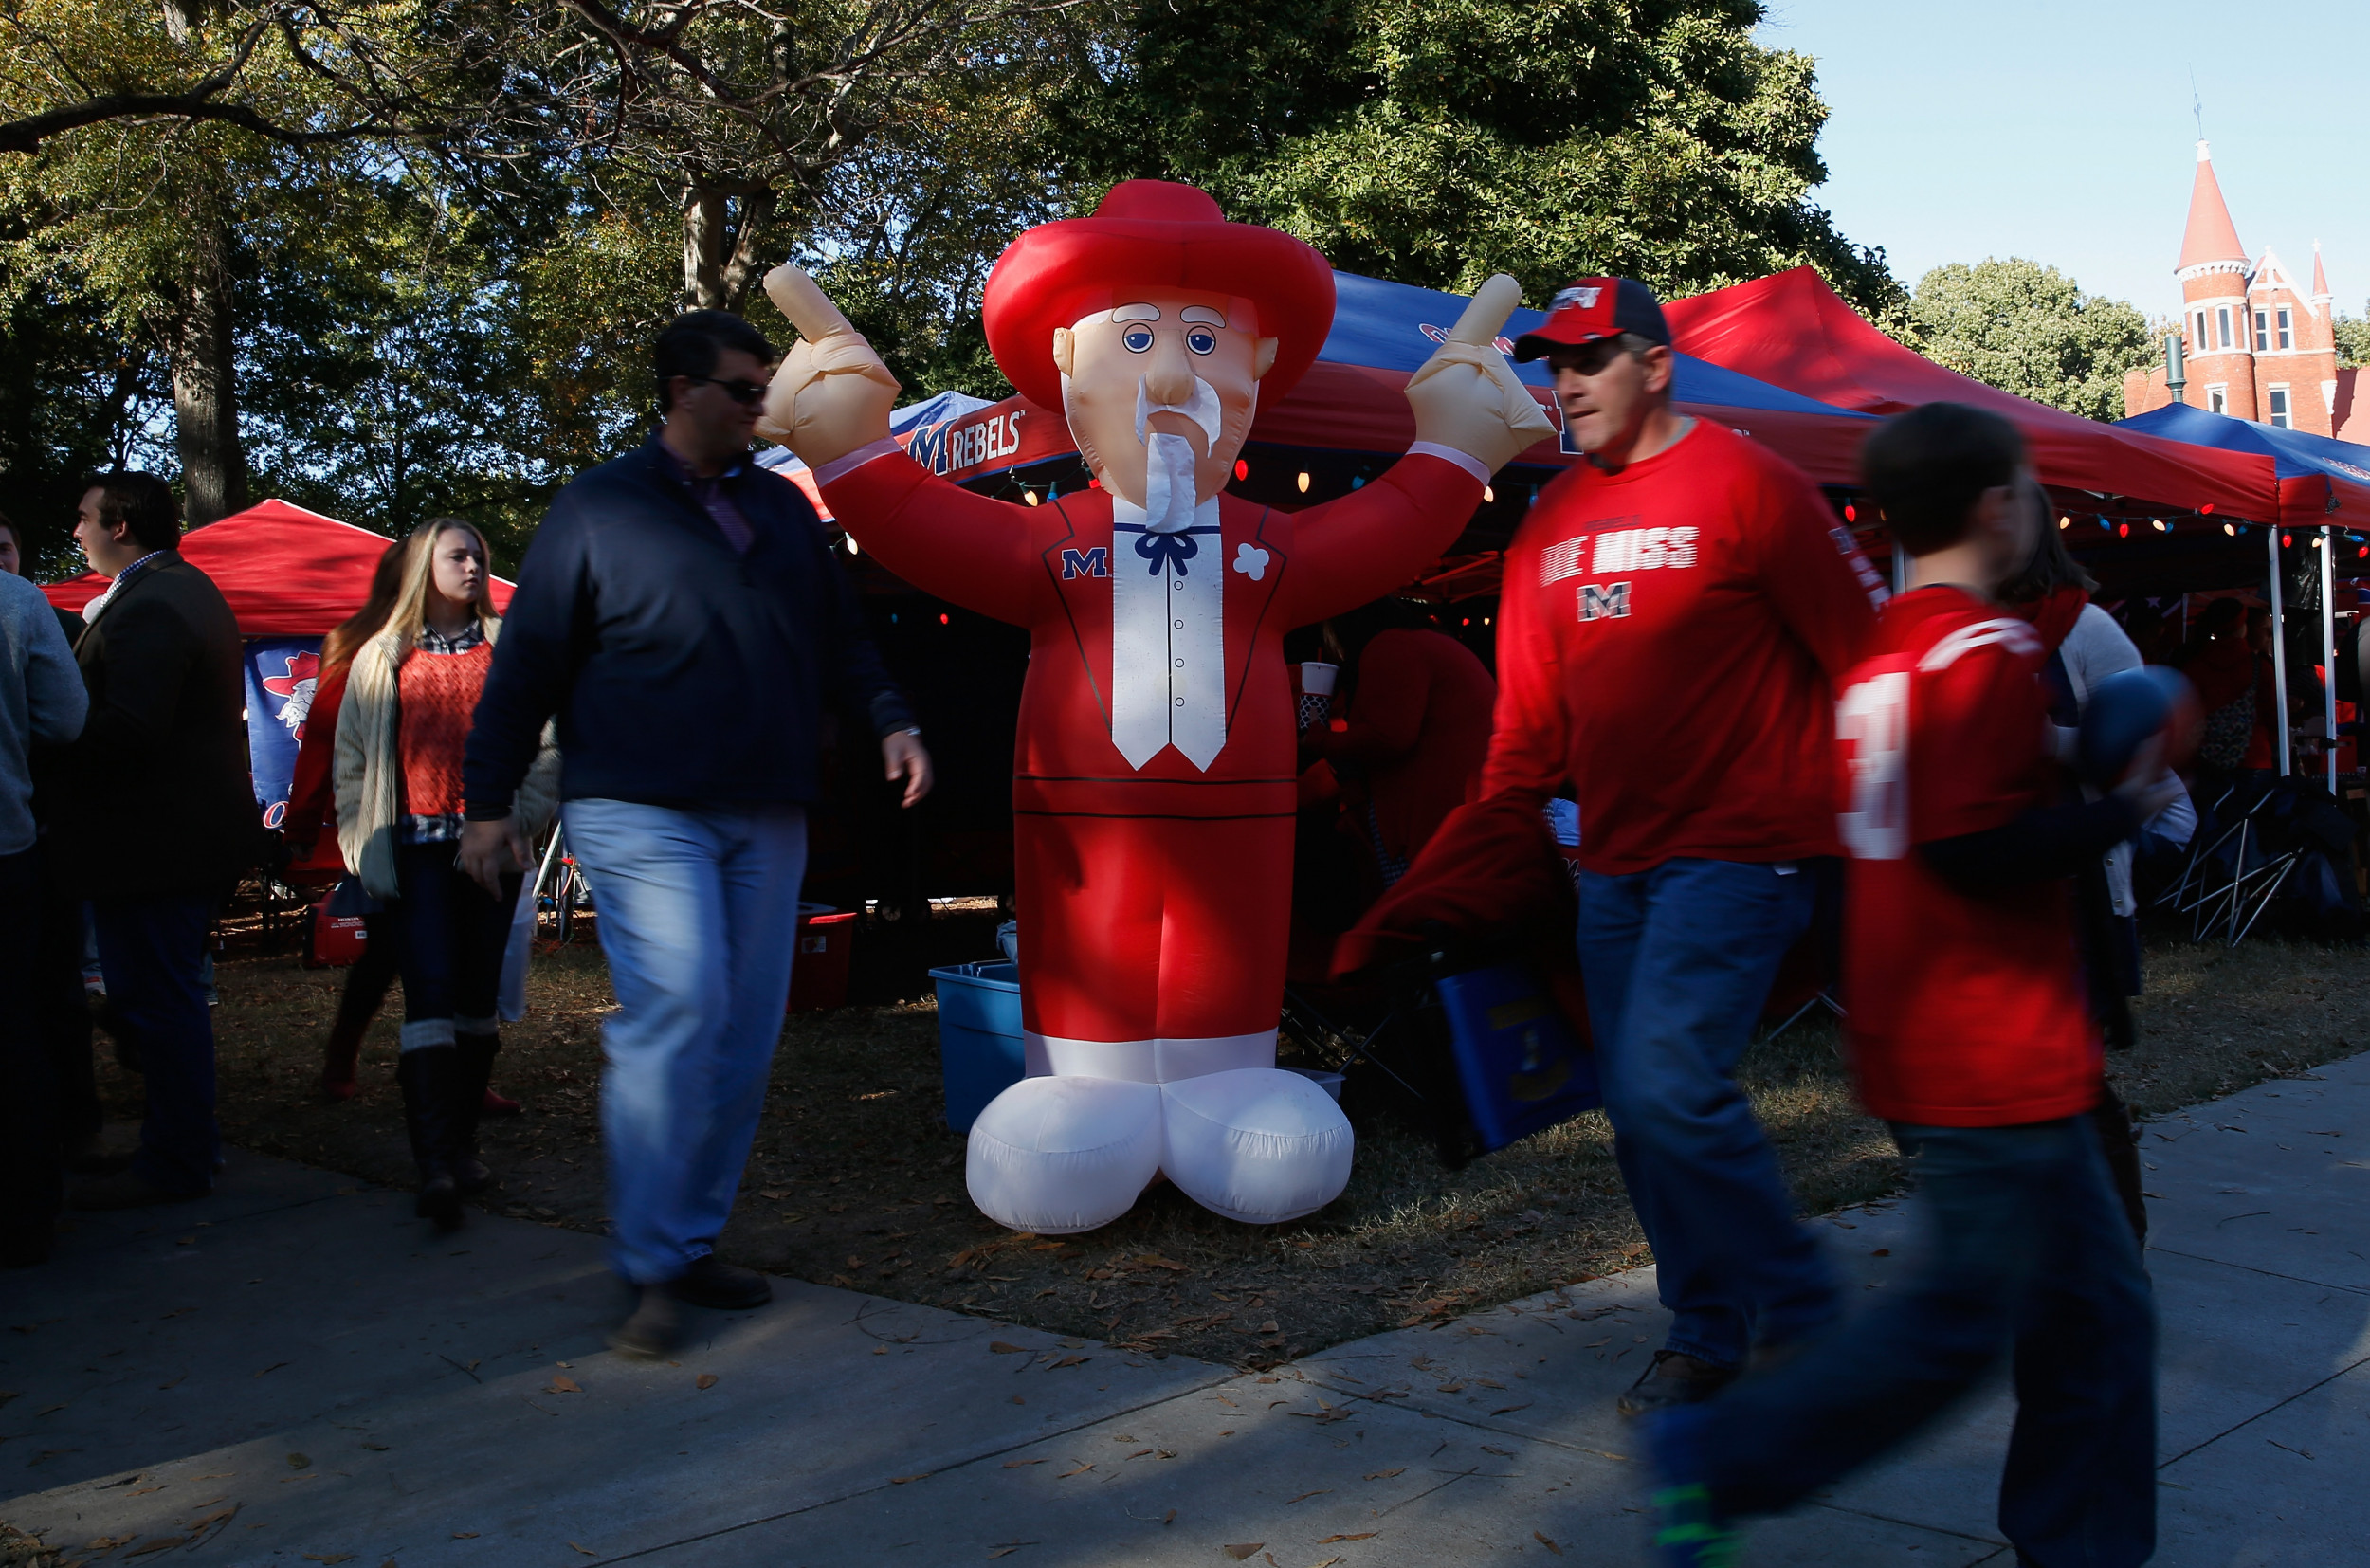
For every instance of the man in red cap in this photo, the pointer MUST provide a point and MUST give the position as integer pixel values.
(1155, 796)
(1675, 614)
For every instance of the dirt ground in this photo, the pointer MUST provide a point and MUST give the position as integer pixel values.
(856, 1181)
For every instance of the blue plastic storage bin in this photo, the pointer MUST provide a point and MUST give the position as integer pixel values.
(979, 1049)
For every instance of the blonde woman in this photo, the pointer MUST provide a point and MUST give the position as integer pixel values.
(409, 693)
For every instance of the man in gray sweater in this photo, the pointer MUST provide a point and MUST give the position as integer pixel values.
(42, 700)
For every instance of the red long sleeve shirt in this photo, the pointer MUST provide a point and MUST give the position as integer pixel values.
(1668, 640)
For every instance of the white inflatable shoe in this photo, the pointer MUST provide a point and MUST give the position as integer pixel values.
(1061, 1154)
(1257, 1145)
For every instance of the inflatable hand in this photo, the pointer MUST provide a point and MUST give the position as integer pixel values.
(831, 394)
(1466, 396)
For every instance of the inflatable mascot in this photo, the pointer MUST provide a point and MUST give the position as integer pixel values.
(1154, 797)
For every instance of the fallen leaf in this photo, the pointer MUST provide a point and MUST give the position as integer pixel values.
(218, 1517)
(1305, 1496)
(1328, 1540)
(1882, 1253)
(160, 1544)
(465, 1535)
(375, 1448)
(1003, 1348)
(1385, 1475)
(901, 1480)
(108, 1543)
(1019, 1464)
(1082, 1469)
(329, 1557)
(274, 1367)
(1549, 1545)
(1002, 1552)
(1154, 1260)
(706, 1379)
(586, 1550)
(1070, 1361)
(299, 1462)
(1509, 1409)
(1241, 1553)
(1502, 1453)
(565, 1385)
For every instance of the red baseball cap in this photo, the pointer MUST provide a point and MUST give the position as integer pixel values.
(1588, 309)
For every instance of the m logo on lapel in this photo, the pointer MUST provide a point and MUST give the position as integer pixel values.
(1095, 562)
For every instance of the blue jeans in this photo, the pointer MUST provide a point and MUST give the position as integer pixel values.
(152, 950)
(450, 938)
(1679, 961)
(2030, 1256)
(699, 919)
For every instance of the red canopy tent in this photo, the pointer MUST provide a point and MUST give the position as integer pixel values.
(1793, 330)
(287, 572)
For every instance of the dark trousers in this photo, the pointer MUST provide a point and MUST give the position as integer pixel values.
(450, 942)
(31, 1180)
(152, 950)
(2029, 1256)
(61, 1009)
(1679, 961)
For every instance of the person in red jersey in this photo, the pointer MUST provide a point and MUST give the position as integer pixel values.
(1971, 1034)
(1674, 614)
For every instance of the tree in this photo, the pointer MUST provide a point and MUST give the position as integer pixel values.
(2353, 340)
(1436, 141)
(2028, 329)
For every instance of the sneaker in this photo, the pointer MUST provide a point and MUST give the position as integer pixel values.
(653, 1328)
(711, 1281)
(1687, 1534)
(1675, 1379)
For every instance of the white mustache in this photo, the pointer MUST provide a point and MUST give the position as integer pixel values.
(1203, 409)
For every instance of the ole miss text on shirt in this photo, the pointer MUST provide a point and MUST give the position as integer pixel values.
(1964, 1009)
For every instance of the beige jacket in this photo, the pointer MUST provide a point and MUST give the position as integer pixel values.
(368, 774)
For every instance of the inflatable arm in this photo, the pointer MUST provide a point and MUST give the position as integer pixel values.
(960, 547)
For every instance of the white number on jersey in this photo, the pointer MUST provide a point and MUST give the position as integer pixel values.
(1872, 719)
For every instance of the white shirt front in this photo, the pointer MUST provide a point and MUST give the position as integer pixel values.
(1168, 636)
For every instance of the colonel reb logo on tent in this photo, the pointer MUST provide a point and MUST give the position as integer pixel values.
(297, 687)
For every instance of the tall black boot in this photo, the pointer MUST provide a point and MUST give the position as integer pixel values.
(428, 1075)
(477, 1052)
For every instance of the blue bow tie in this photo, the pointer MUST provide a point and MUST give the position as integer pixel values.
(1164, 550)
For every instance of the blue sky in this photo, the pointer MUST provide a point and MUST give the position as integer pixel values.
(2062, 132)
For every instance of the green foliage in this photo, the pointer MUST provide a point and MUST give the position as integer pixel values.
(1436, 141)
(2030, 330)
(2353, 340)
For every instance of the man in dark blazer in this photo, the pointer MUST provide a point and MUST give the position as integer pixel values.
(152, 815)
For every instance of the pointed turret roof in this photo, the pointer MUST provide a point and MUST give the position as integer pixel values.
(2211, 236)
(2320, 277)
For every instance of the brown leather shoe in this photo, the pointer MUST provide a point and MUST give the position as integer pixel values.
(1675, 1378)
(653, 1328)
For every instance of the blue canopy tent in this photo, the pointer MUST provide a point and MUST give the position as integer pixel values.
(2323, 484)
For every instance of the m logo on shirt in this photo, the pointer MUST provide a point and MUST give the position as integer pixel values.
(1604, 601)
(1085, 564)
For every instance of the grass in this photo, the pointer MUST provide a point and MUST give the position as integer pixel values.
(855, 1181)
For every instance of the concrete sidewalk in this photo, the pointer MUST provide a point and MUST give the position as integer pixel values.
(296, 1370)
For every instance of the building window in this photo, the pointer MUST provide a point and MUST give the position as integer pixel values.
(2279, 408)
(2262, 330)
(2218, 399)
(2201, 342)
(2221, 320)
(2287, 329)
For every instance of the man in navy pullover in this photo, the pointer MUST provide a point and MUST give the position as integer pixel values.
(681, 615)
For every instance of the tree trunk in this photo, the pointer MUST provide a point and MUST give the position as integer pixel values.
(205, 381)
(721, 256)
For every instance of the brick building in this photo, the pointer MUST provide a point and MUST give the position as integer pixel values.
(2259, 347)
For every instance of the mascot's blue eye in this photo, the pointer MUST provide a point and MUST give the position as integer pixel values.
(1201, 340)
(1138, 339)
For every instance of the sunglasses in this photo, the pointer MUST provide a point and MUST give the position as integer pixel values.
(1588, 359)
(747, 394)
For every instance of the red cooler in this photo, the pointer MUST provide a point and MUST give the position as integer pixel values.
(332, 941)
(819, 978)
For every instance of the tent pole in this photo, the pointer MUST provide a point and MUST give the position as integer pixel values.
(2279, 651)
(2328, 648)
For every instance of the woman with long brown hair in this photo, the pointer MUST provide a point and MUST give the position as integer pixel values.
(310, 810)
(401, 731)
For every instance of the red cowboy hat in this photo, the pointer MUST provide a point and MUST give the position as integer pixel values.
(1152, 234)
